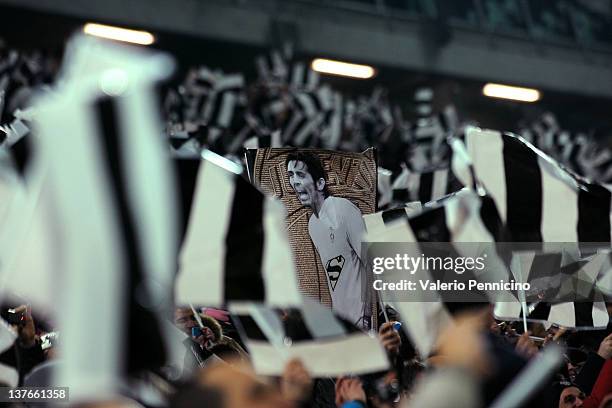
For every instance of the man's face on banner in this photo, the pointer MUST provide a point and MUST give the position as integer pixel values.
(301, 181)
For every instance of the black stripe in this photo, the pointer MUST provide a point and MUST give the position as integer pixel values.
(21, 152)
(573, 157)
(200, 103)
(177, 142)
(244, 244)
(583, 312)
(491, 219)
(430, 226)
(452, 182)
(264, 141)
(443, 121)
(187, 174)
(250, 328)
(541, 312)
(295, 326)
(593, 214)
(316, 100)
(394, 214)
(523, 191)
(216, 98)
(425, 186)
(402, 195)
(296, 130)
(145, 349)
(203, 82)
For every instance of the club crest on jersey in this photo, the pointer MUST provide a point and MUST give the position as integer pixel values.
(334, 268)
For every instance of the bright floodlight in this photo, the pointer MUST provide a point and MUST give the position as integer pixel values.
(514, 93)
(326, 66)
(119, 34)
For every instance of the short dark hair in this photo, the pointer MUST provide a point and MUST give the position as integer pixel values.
(313, 164)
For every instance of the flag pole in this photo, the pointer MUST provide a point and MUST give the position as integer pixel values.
(197, 316)
(522, 298)
(522, 387)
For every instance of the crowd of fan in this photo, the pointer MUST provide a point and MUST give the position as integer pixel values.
(474, 360)
(209, 108)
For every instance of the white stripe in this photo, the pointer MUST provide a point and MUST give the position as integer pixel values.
(413, 186)
(462, 213)
(296, 118)
(14, 131)
(325, 98)
(306, 104)
(227, 109)
(509, 309)
(278, 264)
(275, 139)
(7, 336)
(312, 80)
(307, 129)
(251, 143)
(319, 321)
(486, 147)
(440, 178)
(297, 76)
(413, 208)
(562, 314)
(385, 194)
(25, 236)
(461, 163)
(335, 132)
(401, 182)
(229, 82)
(559, 206)
(92, 265)
(202, 257)
(322, 358)
(600, 315)
(374, 223)
(397, 231)
(213, 134)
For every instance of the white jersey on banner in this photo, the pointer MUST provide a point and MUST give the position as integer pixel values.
(337, 232)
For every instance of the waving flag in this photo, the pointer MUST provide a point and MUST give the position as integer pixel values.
(537, 199)
(327, 345)
(234, 247)
(110, 194)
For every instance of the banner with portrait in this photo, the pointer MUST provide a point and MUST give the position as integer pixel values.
(325, 193)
